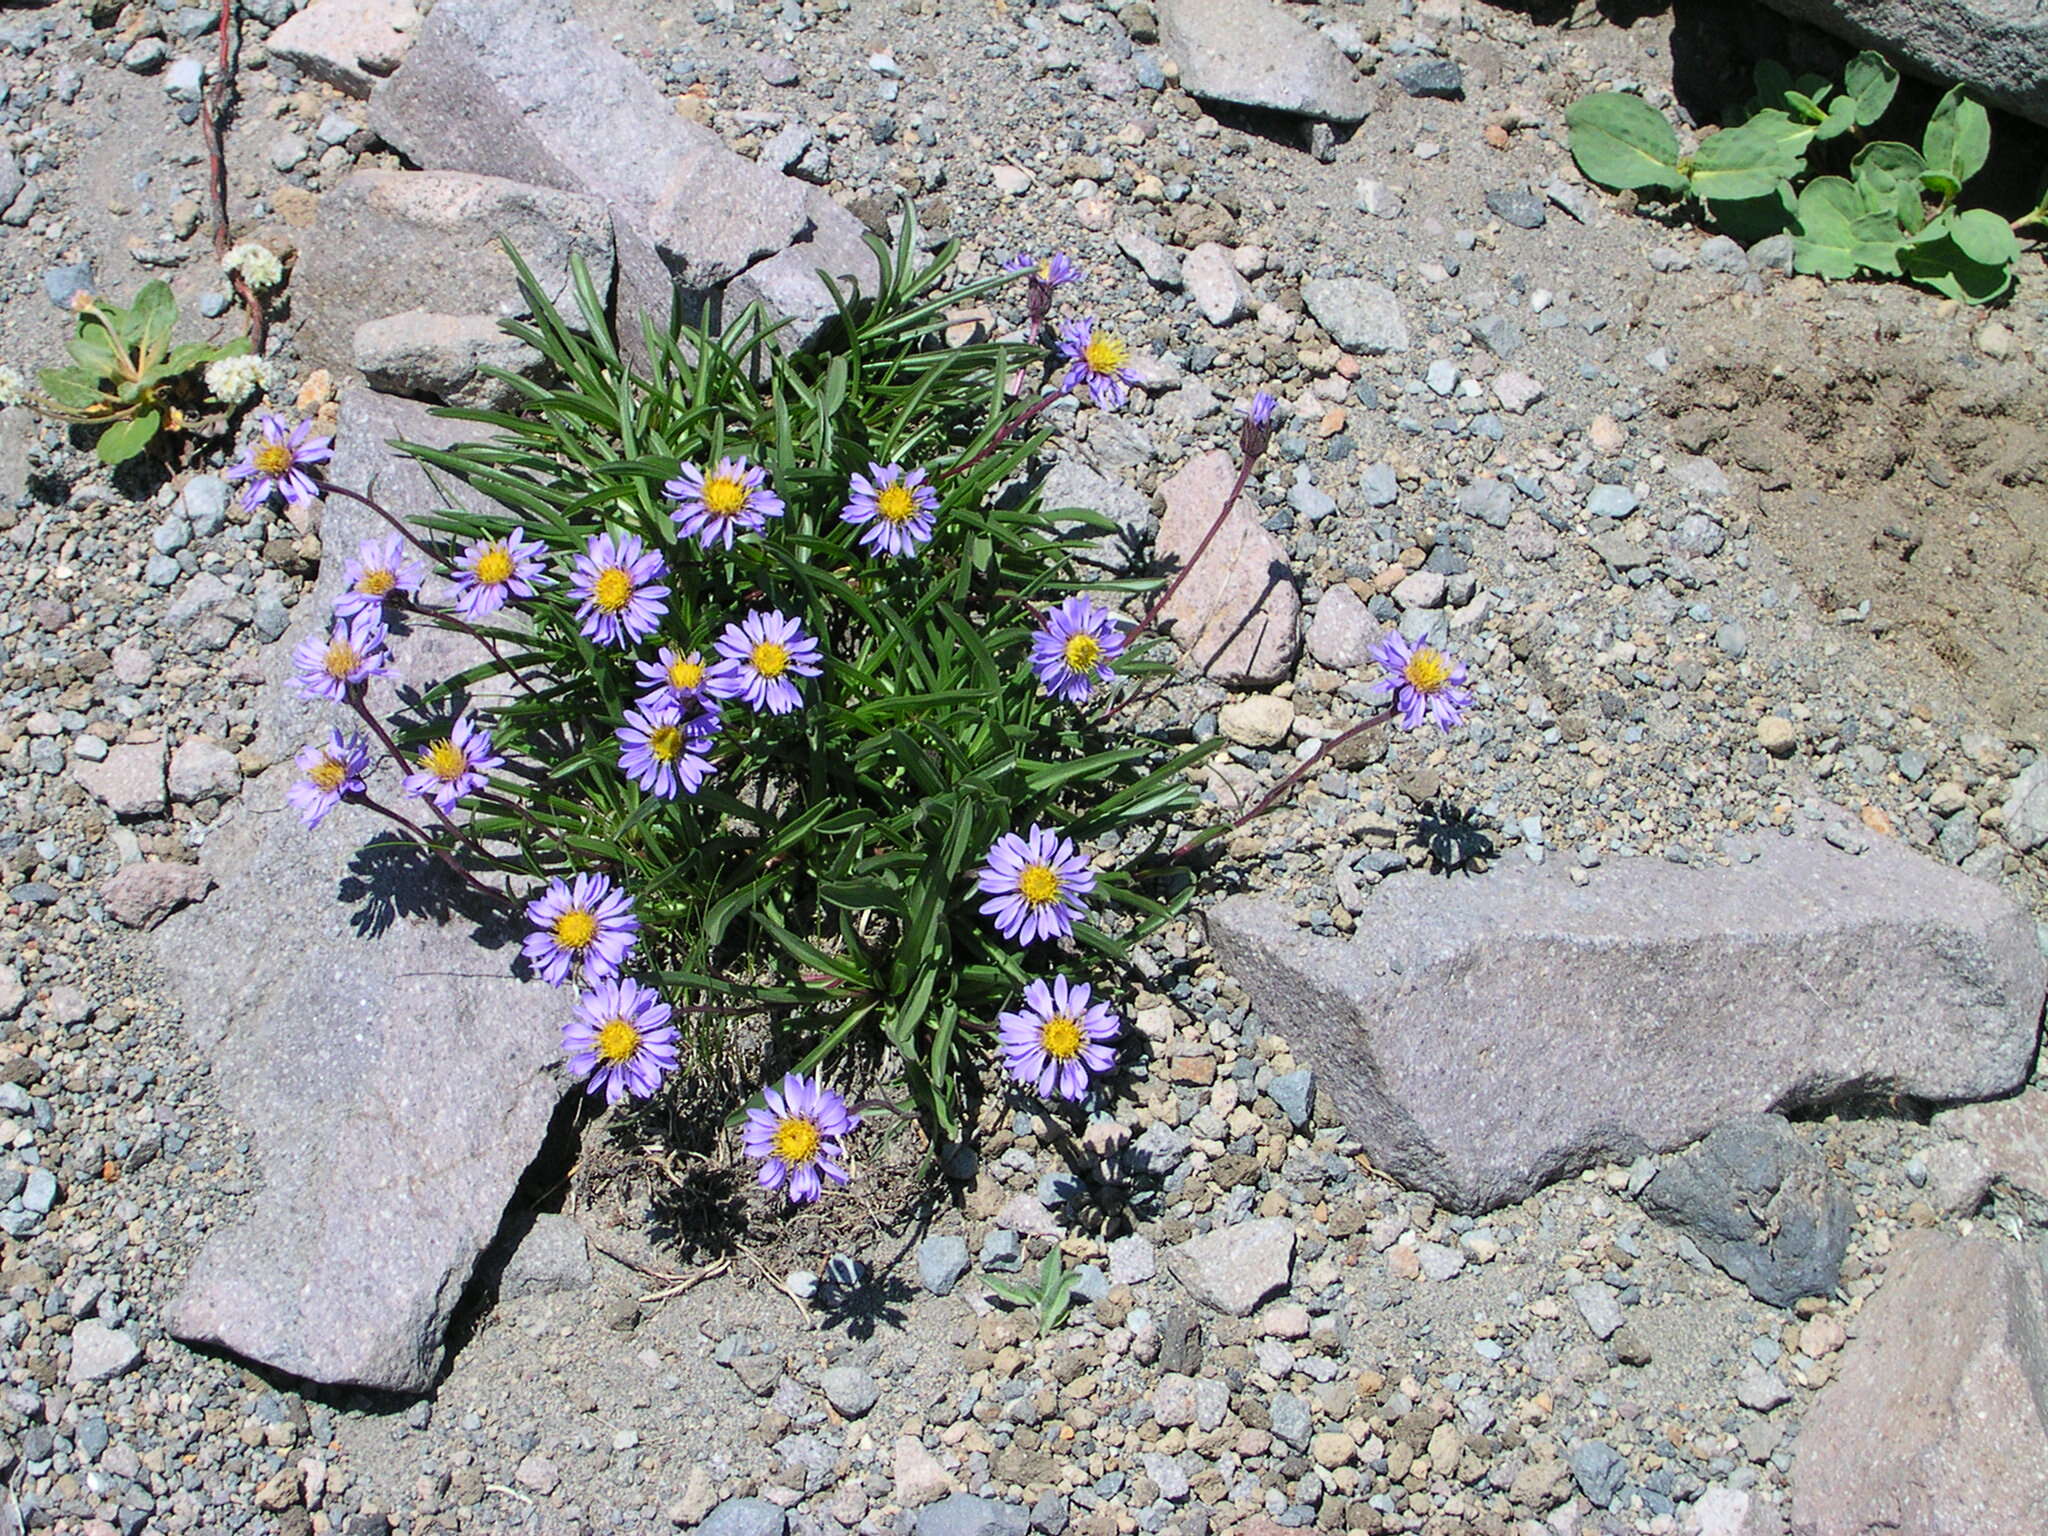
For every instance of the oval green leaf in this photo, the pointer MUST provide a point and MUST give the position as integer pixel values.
(1622, 142)
(125, 439)
(1870, 81)
(1958, 137)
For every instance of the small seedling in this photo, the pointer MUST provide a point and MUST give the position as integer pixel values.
(1893, 215)
(1050, 1297)
(125, 374)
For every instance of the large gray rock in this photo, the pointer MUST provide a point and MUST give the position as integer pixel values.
(1361, 315)
(520, 88)
(1762, 1205)
(2011, 1135)
(389, 242)
(448, 359)
(348, 44)
(1999, 48)
(363, 1025)
(787, 285)
(1237, 1269)
(1486, 1036)
(1238, 615)
(1253, 54)
(1937, 1423)
(1071, 484)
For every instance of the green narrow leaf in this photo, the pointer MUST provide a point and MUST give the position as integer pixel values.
(1870, 81)
(1622, 142)
(125, 439)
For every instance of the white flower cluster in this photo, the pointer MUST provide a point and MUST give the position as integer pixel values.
(258, 263)
(235, 379)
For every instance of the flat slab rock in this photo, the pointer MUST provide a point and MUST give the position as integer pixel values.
(1238, 615)
(389, 242)
(1484, 1037)
(1937, 1422)
(520, 88)
(1253, 54)
(1993, 46)
(1237, 1269)
(365, 1027)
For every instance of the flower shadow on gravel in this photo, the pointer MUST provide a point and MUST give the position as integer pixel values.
(391, 878)
(1453, 837)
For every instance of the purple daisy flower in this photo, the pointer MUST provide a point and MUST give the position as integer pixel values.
(681, 677)
(711, 508)
(1073, 650)
(1034, 884)
(798, 1137)
(618, 582)
(456, 765)
(273, 466)
(1424, 682)
(765, 650)
(1099, 360)
(332, 773)
(586, 923)
(620, 1040)
(1058, 1042)
(893, 509)
(663, 746)
(380, 568)
(1054, 271)
(353, 652)
(491, 571)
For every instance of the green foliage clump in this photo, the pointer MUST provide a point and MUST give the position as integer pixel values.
(823, 879)
(1049, 1297)
(126, 374)
(1893, 213)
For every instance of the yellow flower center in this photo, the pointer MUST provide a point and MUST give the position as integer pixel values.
(666, 743)
(1045, 270)
(494, 566)
(329, 774)
(1427, 670)
(684, 674)
(1105, 353)
(1082, 652)
(575, 929)
(1061, 1037)
(376, 583)
(1038, 884)
(445, 761)
(724, 496)
(770, 659)
(342, 660)
(613, 590)
(796, 1140)
(617, 1042)
(273, 459)
(896, 504)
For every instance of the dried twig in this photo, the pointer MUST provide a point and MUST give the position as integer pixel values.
(212, 115)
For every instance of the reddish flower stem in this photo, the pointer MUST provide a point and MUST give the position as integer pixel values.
(1292, 779)
(436, 614)
(363, 798)
(1008, 430)
(212, 114)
